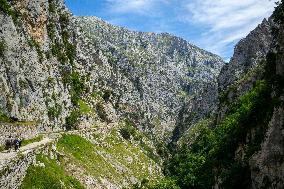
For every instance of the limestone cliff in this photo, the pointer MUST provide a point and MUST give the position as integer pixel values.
(61, 73)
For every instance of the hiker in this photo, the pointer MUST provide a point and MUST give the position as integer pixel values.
(9, 143)
(17, 143)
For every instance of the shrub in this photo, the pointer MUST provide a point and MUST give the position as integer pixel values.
(3, 47)
(51, 6)
(51, 30)
(56, 50)
(166, 183)
(70, 52)
(77, 87)
(106, 95)
(84, 107)
(101, 111)
(4, 118)
(54, 112)
(193, 166)
(7, 9)
(71, 120)
(34, 44)
(63, 20)
(128, 130)
(23, 84)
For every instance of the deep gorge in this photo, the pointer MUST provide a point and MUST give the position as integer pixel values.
(101, 106)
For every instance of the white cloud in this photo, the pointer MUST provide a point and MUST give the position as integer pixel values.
(219, 23)
(227, 20)
(134, 6)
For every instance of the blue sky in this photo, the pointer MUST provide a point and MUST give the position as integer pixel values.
(214, 25)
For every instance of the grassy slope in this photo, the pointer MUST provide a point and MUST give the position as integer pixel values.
(52, 176)
(111, 158)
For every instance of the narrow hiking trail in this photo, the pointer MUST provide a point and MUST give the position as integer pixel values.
(47, 138)
(10, 154)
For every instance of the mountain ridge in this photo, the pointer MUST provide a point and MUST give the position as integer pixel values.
(132, 109)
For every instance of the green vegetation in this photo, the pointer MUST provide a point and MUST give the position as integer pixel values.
(129, 130)
(193, 166)
(101, 111)
(278, 14)
(57, 51)
(50, 81)
(23, 84)
(109, 150)
(70, 52)
(29, 141)
(165, 183)
(51, 6)
(51, 30)
(52, 175)
(7, 9)
(71, 120)
(34, 44)
(209, 152)
(84, 107)
(4, 118)
(2, 148)
(3, 47)
(97, 94)
(77, 87)
(107, 94)
(63, 19)
(54, 112)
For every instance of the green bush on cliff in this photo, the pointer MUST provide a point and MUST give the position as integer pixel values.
(77, 87)
(54, 112)
(71, 120)
(3, 47)
(128, 130)
(7, 9)
(4, 118)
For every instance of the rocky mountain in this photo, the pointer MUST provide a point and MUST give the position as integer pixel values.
(101, 106)
(60, 73)
(242, 145)
(159, 74)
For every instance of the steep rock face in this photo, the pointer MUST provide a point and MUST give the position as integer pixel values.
(245, 67)
(31, 83)
(258, 57)
(267, 165)
(146, 77)
(247, 54)
(62, 73)
(155, 76)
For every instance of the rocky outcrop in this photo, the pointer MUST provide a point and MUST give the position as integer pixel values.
(154, 76)
(245, 67)
(13, 165)
(146, 77)
(267, 166)
(258, 57)
(31, 83)
(248, 53)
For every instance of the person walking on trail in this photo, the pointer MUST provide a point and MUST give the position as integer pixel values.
(9, 143)
(17, 143)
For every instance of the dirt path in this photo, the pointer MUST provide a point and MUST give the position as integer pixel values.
(10, 154)
(48, 137)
